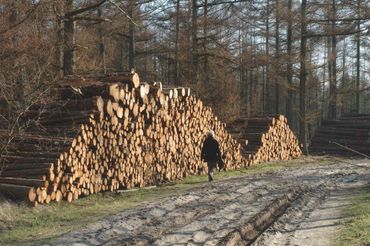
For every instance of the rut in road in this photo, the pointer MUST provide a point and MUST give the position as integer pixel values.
(316, 217)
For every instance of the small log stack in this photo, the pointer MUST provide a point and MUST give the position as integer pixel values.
(266, 139)
(109, 136)
(351, 131)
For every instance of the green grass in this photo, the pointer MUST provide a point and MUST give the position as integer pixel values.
(20, 224)
(356, 229)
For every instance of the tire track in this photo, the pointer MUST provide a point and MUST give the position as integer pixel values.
(206, 214)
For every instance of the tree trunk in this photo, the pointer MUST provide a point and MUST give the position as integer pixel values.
(59, 40)
(358, 48)
(289, 105)
(19, 83)
(241, 70)
(122, 59)
(131, 58)
(69, 41)
(176, 72)
(323, 97)
(333, 57)
(101, 44)
(169, 62)
(303, 77)
(267, 54)
(346, 104)
(205, 64)
(277, 58)
(194, 41)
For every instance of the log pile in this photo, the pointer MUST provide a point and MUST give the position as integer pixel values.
(266, 139)
(107, 133)
(109, 136)
(350, 131)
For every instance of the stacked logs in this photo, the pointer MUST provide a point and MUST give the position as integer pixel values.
(122, 134)
(104, 137)
(266, 139)
(344, 136)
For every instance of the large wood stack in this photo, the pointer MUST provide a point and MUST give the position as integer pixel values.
(266, 139)
(336, 136)
(109, 136)
(107, 133)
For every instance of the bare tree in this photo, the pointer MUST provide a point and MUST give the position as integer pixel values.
(26, 67)
(71, 14)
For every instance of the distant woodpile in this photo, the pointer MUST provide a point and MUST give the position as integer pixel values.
(266, 139)
(105, 133)
(346, 136)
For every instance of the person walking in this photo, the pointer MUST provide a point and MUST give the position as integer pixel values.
(211, 153)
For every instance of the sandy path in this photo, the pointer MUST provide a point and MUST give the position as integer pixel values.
(316, 218)
(209, 212)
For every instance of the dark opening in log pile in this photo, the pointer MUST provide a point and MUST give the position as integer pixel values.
(349, 131)
(102, 136)
(266, 139)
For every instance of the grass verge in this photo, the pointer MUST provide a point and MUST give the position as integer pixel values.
(356, 229)
(20, 224)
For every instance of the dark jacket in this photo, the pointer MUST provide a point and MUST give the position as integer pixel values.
(211, 150)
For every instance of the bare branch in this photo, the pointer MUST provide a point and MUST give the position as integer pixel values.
(124, 12)
(96, 19)
(364, 18)
(80, 11)
(342, 33)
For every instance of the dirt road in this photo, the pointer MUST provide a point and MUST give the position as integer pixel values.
(222, 212)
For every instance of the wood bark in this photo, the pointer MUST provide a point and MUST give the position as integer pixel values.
(18, 192)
